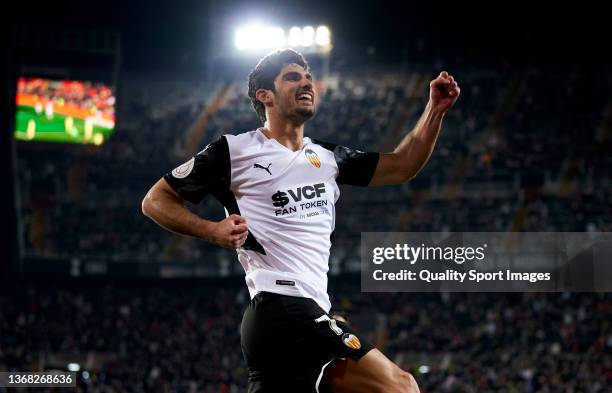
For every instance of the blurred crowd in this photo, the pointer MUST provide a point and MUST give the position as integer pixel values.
(522, 150)
(183, 336)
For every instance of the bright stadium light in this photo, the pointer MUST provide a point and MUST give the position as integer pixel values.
(74, 367)
(274, 37)
(295, 36)
(322, 37)
(242, 39)
(307, 36)
(259, 37)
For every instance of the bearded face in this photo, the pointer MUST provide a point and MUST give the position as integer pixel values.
(294, 95)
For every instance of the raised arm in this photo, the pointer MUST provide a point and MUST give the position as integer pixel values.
(413, 152)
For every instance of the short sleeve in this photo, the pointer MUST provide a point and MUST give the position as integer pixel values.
(208, 172)
(355, 167)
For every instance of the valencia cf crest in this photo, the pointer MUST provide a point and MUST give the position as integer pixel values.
(313, 158)
(351, 341)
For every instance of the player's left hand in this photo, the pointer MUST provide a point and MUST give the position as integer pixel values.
(443, 91)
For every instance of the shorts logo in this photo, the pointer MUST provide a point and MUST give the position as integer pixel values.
(351, 341)
(184, 170)
(313, 158)
(332, 324)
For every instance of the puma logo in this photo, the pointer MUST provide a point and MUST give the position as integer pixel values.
(263, 167)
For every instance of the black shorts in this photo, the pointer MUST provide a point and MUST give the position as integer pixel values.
(287, 341)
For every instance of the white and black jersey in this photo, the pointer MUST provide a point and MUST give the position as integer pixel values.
(288, 199)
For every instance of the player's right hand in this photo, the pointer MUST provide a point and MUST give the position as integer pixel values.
(230, 232)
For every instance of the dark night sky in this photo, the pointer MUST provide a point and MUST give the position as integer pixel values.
(157, 34)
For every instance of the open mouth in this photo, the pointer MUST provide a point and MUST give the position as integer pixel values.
(305, 97)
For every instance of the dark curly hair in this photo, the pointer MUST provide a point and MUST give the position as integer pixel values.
(264, 73)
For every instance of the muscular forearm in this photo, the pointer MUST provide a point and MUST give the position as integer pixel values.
(414, 150)
(168, 211)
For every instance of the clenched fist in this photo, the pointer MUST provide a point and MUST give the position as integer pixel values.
(230, 232)
(443, 91)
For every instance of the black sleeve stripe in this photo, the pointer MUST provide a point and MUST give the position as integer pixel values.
(210, 173)
(228, 199)
(357, 167)
(354, 166)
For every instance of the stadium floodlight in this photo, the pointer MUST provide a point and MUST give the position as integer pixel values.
(74, 367)
(295, 36)
(322, 36)
(307, 38)
(259, 37)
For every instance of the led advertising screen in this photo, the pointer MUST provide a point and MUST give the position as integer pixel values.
(64, 111)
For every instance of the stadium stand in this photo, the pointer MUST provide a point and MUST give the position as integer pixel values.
(184, 336)
(505, 161)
